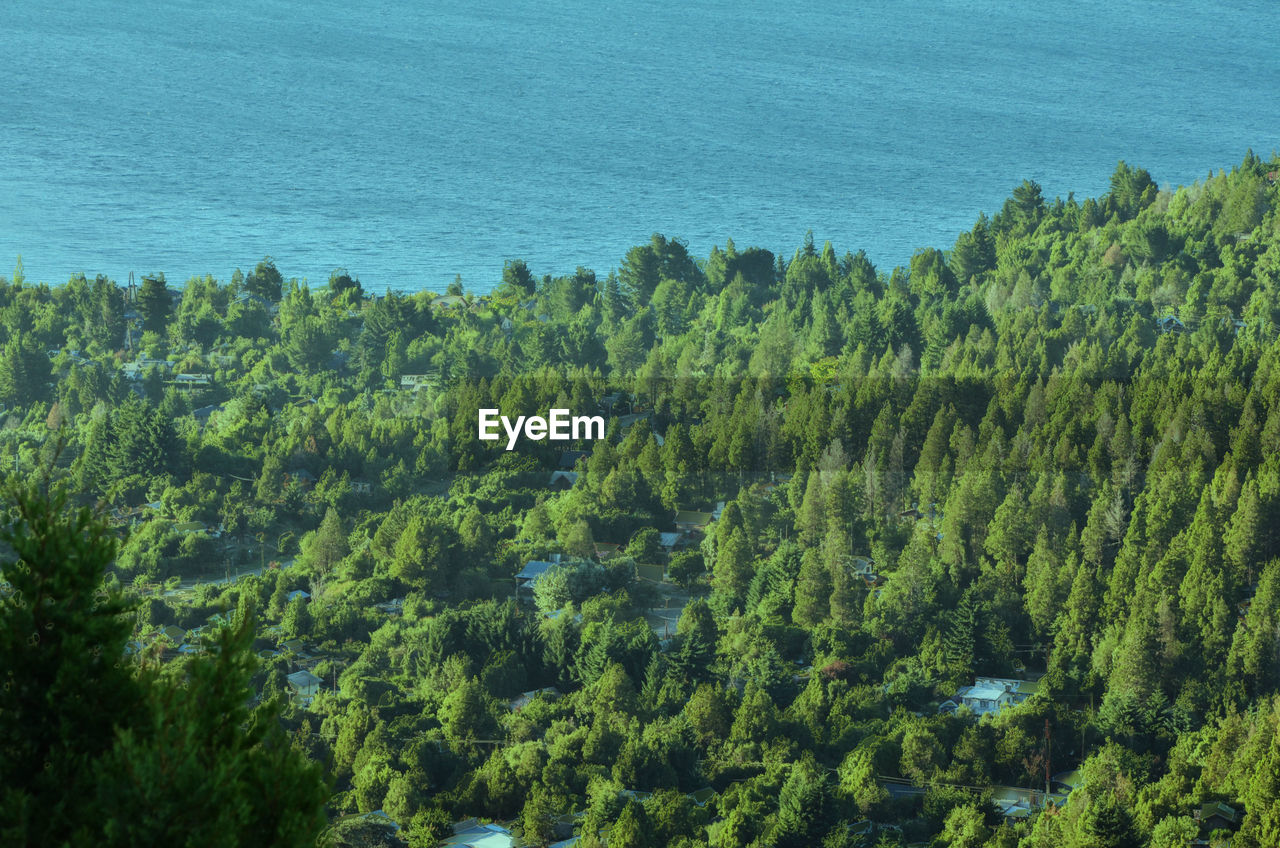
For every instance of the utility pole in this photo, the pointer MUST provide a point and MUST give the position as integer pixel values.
(1048, 757)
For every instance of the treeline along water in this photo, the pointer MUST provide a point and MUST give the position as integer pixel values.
(410, 142)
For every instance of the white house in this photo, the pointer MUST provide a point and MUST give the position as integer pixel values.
(992, 694)
(304, 682)
(985, 699)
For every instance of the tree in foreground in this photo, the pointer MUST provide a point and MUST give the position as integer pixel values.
(94, 751)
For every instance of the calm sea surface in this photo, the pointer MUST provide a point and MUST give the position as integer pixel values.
(412, 141)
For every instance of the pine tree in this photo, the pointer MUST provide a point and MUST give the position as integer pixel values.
(804, 813)
(465, 714)
(93, 751)
(1244, 533)
(732, 573)
(974, 252)
(94, 472)
(696, 632)
(209, 764)
(163, 444)
(265, 281)
(813, 590)
(24, 372)
(960, 642)
(846, 595)
(155, 304)
(1112, 825)
(297, 619)
(536, 818)
(270, 485)
(133, 448)
(279, 597)
(632, 829)
(329, 545)
(811, 516)
(1045, 585)
(64, 692)
(413, 560)
(1254, 659)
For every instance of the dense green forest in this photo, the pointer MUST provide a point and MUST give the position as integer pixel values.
(831, 502)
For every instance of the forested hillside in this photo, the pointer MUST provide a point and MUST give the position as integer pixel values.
(833, 500)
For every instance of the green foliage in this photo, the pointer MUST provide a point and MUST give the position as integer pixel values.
(265, 281)
(155, 303)
(999, 460)
(573, 581)
(96, 750)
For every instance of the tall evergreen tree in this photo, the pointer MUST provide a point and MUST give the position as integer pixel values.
(155, 303)
(96, 751)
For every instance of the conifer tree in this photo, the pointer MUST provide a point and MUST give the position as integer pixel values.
(813, 590)
(96, 751)
(155, 303)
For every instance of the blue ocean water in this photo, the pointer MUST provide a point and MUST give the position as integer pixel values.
(409, 142)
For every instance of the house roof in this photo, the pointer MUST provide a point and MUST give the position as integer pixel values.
(697, 519)
(570, 477)
(1068, 778)
(983, 693)
(1219, 810)
(668, 540)
(702, 796)
(534, 569)
(527, 698)
(478, 835)
(205, 412)
(635, 795)
(303, 679)
(1009, 684)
